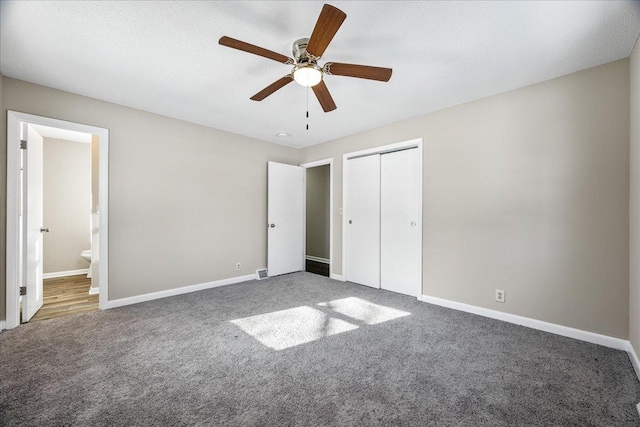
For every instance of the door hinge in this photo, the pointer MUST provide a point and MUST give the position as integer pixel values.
(23, 290)
(23, 144)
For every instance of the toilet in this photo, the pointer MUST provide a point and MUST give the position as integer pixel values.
(86, 255)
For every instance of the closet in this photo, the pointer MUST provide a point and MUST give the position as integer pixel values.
(383, 221)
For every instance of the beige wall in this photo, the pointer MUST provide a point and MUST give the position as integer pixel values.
(525, 191)
(634, 204)
(186, 201)
(67, 204)
(318, 211)
(3, 202)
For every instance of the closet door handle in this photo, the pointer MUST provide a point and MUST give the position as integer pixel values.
(350, 221)
(413, 224)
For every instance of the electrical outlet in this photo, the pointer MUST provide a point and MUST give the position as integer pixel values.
(238, 266)
(499, 295)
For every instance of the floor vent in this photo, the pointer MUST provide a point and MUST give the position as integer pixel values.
(261, 274)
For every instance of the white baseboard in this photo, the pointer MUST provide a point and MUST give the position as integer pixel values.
(337, 277)
(177, 291)
(604, 340)
(94, 291)
(65, 273)
(317, 259)
(634, 359)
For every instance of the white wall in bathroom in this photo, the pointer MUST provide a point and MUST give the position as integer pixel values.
(67, 204)
(95, 168)
(95, 210)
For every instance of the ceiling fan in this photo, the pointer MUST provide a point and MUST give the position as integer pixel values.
(307, 52)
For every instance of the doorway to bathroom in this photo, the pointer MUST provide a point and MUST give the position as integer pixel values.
(56, 232)
(70, 220)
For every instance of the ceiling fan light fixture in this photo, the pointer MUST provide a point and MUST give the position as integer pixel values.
(307, 75)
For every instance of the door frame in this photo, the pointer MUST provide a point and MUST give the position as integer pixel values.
(383, 149)
(313, 164)
(12, 297)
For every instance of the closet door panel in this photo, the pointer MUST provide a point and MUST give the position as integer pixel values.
(400, 228)
(363, 221)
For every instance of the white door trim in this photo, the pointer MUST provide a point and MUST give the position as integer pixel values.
(412, 143)
(12, 297)
(312, 165)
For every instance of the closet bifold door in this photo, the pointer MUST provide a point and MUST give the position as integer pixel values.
(400, 227)
(363, 220)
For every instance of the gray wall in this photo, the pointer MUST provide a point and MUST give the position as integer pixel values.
(634, 204)
(67, 204)
(318, 211)
(186, 201)
(525, 191)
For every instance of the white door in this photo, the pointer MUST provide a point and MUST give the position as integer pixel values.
(400, 222)
(32, 217)
(363, 220)
(285, 240)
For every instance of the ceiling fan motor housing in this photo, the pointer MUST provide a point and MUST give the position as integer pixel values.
(299, 49)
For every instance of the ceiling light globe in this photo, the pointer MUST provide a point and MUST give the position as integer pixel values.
(307, 76)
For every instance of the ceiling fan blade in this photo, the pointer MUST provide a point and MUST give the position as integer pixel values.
(256, 50)
(278, 84)
(323, 95)
(359, 71)
(327, 26)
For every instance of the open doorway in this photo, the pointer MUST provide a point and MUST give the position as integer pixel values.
(56, 218)
(318, 210)
(70, 212)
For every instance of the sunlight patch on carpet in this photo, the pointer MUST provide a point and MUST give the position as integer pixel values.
(292, 327)
(363, 310)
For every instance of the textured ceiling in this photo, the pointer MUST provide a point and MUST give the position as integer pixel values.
(164, 57)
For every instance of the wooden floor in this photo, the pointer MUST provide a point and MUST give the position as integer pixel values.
(66, 295)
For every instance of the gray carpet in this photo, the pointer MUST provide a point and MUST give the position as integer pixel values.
(305, 350)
